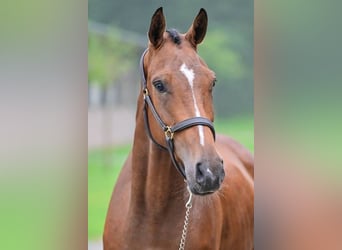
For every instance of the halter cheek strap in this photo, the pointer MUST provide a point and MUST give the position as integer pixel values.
(168, 130)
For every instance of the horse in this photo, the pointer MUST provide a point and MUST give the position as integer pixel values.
(182, 186)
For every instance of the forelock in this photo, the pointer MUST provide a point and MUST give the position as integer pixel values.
(174, 36)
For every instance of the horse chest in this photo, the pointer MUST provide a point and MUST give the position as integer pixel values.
(166, 233)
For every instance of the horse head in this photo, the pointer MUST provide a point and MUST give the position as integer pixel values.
(180, 84)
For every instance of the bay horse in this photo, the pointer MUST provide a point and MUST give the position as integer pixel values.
(181, 186)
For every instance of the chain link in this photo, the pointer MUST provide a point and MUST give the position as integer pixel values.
(188, 206)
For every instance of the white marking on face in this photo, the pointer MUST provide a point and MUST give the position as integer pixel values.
(189, 74)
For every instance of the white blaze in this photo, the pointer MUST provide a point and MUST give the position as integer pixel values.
(189, 74)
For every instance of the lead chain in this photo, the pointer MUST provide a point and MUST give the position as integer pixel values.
(188, 206)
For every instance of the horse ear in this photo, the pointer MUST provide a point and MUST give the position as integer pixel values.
(157, 28)
(198, 29)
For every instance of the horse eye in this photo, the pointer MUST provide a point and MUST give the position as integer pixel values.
(159, 86)
(214, 83)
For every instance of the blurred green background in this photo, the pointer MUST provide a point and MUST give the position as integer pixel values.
(116, 38)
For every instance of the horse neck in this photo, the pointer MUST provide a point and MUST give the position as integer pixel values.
(156, 184)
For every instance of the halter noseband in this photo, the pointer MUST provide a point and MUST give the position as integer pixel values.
(168, 130)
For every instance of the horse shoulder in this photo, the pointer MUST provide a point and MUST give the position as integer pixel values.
(237, 195)
(118, 207)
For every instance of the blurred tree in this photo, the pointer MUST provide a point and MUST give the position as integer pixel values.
(221, 54)
(108, 58)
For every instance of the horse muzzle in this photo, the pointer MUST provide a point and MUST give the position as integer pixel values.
(208, 177)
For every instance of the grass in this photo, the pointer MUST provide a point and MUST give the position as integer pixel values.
(240, 128)
(104, 166)
(103, 169)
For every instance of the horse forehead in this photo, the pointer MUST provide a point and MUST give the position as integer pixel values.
(193, 71)
(179, 54)
(184, 63)
(191, 62)
(178, 61)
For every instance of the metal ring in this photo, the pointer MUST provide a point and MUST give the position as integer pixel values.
(168, 132)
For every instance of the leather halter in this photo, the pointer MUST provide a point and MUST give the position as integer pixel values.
(168, 130)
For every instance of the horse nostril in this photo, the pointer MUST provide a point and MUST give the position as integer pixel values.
(200, 174)
(222, 175)
(209, 177)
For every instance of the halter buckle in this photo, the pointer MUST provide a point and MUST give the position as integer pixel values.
(168, 132)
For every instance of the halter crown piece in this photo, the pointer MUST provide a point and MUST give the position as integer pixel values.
(168, 130)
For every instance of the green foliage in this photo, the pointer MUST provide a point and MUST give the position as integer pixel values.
(108, 58)
(224, 52)
(219, 53)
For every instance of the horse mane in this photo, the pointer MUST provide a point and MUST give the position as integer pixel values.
(174, 36)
